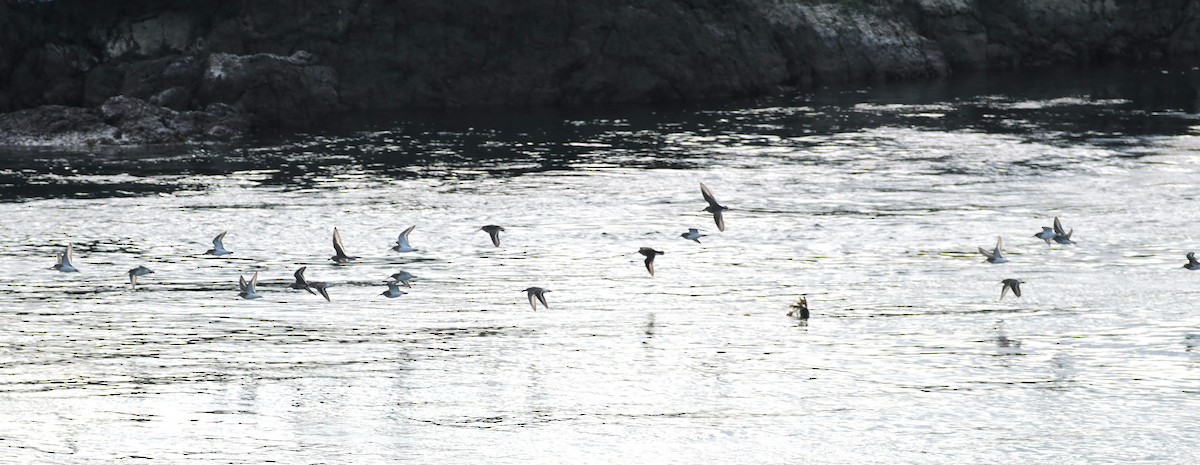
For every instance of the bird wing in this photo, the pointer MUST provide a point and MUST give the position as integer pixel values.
(253, 282)
(324, 293)
(1017, 288)
(217, 241)
(300, 275)
(1004, 291)
(708, 196)
(650, 264)
(986, 253)
(1191, 256)
(242, 283)
(720, 220)
(133, 279)
(402, 241)
(1058, 227)
(338, 248)
(999, 244)
(495, 235)
(542, 298)
(70, 256)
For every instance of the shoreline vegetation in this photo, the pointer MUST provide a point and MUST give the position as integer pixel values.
(145, 72)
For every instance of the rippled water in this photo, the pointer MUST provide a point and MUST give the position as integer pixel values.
(872, 202)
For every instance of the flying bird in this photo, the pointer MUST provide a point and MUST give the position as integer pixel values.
(493, 232)
(996, 255)
(321, 287)
(301, 283)
(693, 234)
(1061, 235)
(650, 254)
(540, 294)
(1192, 263)
(402, 244)
(64, 260)
(1014, 284)
(339, 249)
(1047, 234)
(713, 207)
(247, 287)
(404, 277)
(393, 290)
(134, 273)
(218, 246)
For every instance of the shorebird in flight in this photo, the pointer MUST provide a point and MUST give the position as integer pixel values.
(248, 287)
(493, 232)
(996, 255)
(1192, 263)
(540, 294)
(218, 246)
(404, 277)
(1061, 235)
(134, 273)
(1014, 284)
(650, 254)
(393, 290)
(402, 244)
(64, 260)
(693, 234)
(339, 250)
(713, 207)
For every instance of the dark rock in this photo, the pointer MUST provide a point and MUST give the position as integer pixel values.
(121, 121)
(55, 125)
(292, 62)
(175, 98)
(276, 89)
(148, 78)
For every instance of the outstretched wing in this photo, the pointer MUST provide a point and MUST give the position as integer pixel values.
(402, 241)
(542, 298)
(650, 264)
(987, 254)
(708, 196)
(219, 241)
(338, 248)
(495, 235)
(1058, 227)
(720, 220)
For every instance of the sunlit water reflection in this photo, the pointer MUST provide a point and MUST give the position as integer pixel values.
(870, 202)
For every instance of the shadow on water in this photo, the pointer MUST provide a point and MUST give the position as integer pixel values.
(1111, 105)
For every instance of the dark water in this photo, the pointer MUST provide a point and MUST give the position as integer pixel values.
(871, 202)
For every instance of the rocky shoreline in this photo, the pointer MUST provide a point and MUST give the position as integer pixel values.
(148, 72)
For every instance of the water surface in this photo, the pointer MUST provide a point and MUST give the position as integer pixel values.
(871, 202)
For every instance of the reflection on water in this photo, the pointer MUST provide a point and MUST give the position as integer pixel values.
(870, 202)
